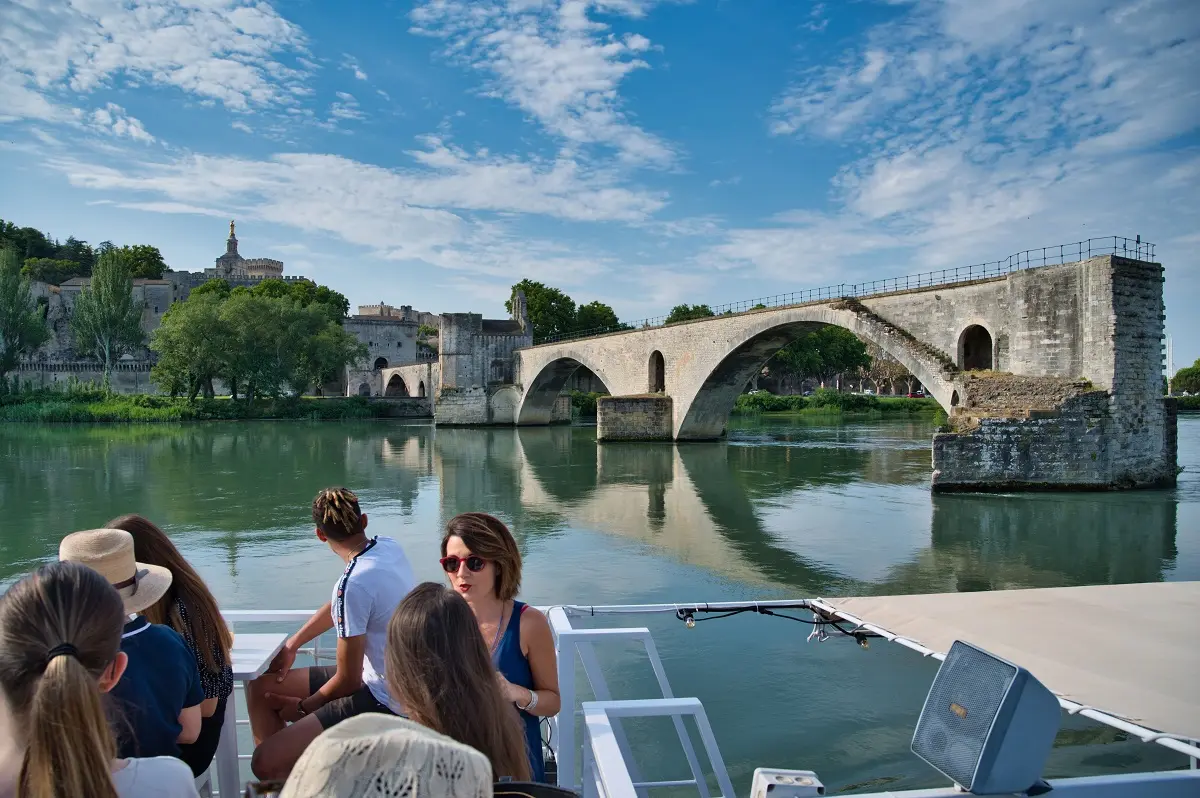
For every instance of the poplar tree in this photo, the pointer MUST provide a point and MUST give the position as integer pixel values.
(106, 319)
(22, 328)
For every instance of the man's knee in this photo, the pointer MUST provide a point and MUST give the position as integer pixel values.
(270, 761)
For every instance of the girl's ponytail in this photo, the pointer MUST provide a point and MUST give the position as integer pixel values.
(60, 629)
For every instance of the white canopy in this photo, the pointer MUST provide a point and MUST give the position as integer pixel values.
(1129, 650)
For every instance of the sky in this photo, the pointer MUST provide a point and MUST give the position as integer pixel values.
(643, 153)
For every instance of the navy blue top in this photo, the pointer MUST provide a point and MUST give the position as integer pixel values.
(512, 662)
(159, 682)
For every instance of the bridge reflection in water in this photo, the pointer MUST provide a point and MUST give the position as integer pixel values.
(798, 511)
(782, 507)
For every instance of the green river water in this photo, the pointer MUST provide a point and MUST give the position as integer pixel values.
(786, 508)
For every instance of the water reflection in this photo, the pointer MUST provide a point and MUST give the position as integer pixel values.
(780, 507)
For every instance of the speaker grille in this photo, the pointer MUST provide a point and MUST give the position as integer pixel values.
(962, 703)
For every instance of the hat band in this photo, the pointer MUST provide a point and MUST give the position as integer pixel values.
(131, 582)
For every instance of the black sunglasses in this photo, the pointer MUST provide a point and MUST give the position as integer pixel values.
(474, 563)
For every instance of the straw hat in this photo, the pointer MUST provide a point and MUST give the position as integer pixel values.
(110, 553)
(378, 756)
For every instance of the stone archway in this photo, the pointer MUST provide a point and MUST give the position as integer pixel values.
(396, 387)
(975, 349)
(421, 389)
(537, 406)
(381, 363)
(657, 382)
(364, 389)
(704, 415)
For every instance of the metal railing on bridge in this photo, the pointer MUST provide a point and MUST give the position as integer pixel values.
(1134, 248)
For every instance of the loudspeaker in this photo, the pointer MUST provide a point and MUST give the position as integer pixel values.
(987, 724)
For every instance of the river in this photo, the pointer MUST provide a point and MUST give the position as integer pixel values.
(786, 508)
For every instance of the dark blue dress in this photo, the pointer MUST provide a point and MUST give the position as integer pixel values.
(511, 662)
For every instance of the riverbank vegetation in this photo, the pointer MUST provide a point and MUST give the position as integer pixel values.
(85, 403)
(274, 338)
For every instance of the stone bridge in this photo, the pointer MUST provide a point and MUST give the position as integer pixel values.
(1025, 363)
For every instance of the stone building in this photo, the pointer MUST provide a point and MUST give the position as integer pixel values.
(230, 267)
(384, 310)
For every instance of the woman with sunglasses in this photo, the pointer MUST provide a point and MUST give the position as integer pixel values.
(483, 564)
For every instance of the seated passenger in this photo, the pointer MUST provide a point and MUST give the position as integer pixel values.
(438, 667)
(377, 576)
(60, 650)
(483, 564)
(190, 609)
(159, 697)
(395, 757)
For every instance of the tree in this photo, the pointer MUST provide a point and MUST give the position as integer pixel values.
(551, 312)
(145, 261)
(217, 287)
(52, 271)
(427, 331)
(1187, 379)
(191, 343)
(305, 293)
(823, 354)
(688, 312)
(882, 370)
(22, 327)
(596, 316)
(105, 318)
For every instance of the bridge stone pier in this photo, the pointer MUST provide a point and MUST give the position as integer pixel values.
(1051, 376)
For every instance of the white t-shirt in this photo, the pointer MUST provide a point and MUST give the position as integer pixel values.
(155, 777)
(364, 599)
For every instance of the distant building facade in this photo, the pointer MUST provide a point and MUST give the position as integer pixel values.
(390, 333)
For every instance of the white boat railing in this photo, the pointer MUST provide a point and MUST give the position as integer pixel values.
(571, 642)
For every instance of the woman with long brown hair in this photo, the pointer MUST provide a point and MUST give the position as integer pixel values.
(60, 651)
(438, 667)
(483, 565)
(190, 609)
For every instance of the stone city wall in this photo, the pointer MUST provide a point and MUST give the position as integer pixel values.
(633, 418)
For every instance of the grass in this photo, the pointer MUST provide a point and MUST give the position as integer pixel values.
(1188, 404)
(825, 401)
(89, 405)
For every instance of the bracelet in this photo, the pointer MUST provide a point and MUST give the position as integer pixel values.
(300, 708)
(533, 699)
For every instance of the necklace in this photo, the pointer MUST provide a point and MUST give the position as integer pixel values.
(499, 626)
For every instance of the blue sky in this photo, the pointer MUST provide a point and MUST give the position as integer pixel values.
(639, 152)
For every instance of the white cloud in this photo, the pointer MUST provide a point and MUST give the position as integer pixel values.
(443, 211)
(238, 124)
(351, 63)
(346, 108)
(222, 50)
(112, 119)
(982, 129)
(553, 62)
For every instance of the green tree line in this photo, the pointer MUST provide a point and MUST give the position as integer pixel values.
(1187, 379)
(47, 260)
(555, 314)
(276, 337)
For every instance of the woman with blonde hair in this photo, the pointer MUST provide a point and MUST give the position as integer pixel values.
(60, 651)
(483, 564)
(190, 609)
(438, 668)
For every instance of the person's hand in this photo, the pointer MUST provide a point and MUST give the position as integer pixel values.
(510, 691)
(283, 661)
(286, 706)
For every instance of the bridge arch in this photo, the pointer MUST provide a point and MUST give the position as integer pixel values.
(537, 404)
(395, 386)
(704, 414)
(975, 348)
(381, 363)
(421, 389)
(657, 382)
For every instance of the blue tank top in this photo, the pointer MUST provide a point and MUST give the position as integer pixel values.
(510, 661)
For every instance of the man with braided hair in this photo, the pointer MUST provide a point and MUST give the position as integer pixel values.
(377, 576)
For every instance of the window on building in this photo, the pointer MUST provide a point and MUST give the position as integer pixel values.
(156, 308)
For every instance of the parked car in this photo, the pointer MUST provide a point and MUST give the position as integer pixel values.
(917, 395)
